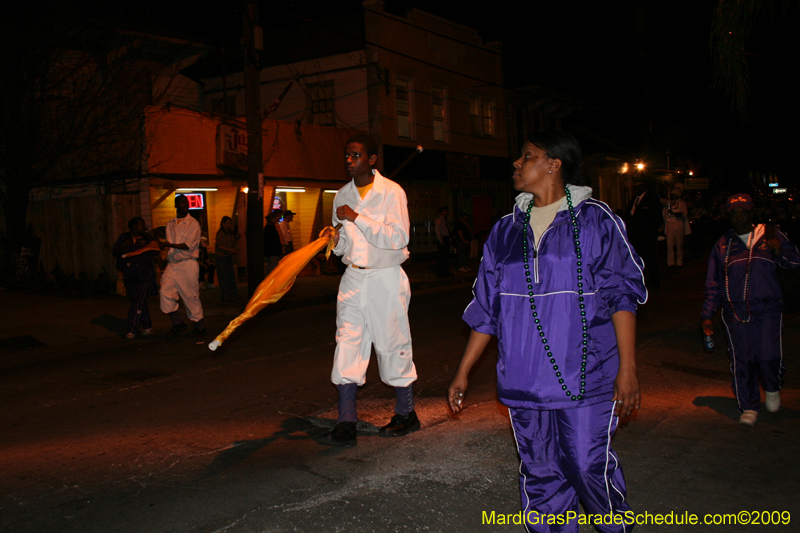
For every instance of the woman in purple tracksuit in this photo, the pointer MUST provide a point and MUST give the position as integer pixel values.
(559, 285)
(742, 281)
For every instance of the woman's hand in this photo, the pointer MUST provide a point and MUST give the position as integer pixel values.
(456, 391)
(458, 388)
(626, 392)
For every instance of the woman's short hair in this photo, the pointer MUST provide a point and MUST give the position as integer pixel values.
(564, 147)
(132, 222)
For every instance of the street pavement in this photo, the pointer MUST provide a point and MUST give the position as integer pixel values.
(101, 434)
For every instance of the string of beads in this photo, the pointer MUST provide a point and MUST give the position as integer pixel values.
(750, 245)
(537, 321)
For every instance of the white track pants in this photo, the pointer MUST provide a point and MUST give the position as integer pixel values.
(181, 280)
(372, 310)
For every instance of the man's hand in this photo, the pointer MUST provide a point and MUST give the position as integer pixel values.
(345, 212)
(331, 233)
(708, 327)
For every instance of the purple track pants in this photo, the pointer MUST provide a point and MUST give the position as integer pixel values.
(755, 351)
(565, 456)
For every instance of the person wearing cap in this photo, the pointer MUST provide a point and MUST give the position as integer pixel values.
(675, 226)
(741, 281)
(273, 245)
(286, 231)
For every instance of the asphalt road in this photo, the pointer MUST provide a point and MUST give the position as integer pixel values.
(166, 436)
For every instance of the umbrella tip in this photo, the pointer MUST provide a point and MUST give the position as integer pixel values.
(213, 345)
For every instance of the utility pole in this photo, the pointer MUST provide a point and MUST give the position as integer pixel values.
(255, 163)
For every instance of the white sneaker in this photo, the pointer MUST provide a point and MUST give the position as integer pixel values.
(748, 418)
(130, 335)
(146, 332)
(212, 286)
(773, 401)
(203, 286)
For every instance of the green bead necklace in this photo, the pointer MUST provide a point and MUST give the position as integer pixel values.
(536, 319)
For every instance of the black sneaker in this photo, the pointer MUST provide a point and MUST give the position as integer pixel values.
(197, 333)
(176, 328)
(401, 425)
(343, 434)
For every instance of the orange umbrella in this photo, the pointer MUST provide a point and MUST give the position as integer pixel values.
(276, 284)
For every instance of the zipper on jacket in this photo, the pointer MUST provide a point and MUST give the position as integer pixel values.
(536, 255)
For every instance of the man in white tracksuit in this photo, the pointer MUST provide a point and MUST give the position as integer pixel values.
(181, 277)
(372, 307)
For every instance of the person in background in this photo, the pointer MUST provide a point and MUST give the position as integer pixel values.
(137, 274)
(225, 253)
(559, 286)
(443, 243)
(286, 232)
(741, 281)
(273, 247)
(644, 220)
(206, 265)
(675, 227)
(181, 278)
(463, 241)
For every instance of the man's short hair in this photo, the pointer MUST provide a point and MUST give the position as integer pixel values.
(367, 141)
(443, 208)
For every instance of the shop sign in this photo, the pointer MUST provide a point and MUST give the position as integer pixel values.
(231, 147)
(696, 183)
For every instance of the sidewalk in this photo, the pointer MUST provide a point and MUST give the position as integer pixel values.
(31, 321)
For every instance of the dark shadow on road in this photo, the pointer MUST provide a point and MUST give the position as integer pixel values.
(23, 342)
(727, 407)
(695, 371)
(112, 323)
(292, 429)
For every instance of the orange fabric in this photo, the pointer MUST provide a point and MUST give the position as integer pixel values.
(278, 282)
(152, 246)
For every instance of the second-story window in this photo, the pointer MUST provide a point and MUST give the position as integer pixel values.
(438, 98)
(402, 89)
(322, 105)
(481, 116)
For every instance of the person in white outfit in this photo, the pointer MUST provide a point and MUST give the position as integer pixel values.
(180, 278)
(675, 227)
(372, 307)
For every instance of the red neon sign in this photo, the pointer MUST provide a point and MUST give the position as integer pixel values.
(195, 200)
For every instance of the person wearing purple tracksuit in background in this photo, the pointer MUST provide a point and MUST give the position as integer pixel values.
(741, 280)
(559, 286)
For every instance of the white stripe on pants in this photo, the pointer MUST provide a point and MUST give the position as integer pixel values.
(181, 280)
(372, 309)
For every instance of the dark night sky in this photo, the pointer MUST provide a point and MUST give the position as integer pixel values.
(631, 62)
